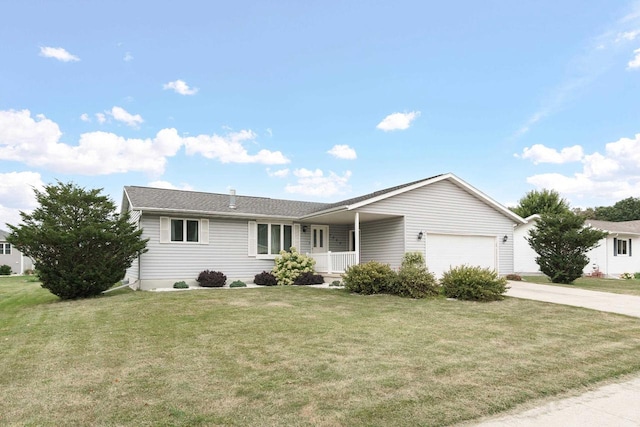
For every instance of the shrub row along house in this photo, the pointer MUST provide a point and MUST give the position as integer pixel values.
(448, 220)
(613, 256)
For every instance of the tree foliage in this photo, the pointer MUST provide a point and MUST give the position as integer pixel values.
(539, 202)
(80, 245)
(625, 210)
(561, 242)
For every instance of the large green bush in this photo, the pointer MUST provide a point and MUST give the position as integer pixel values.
(5, 270)
(369, 278)
(290, 265)
(80, 244)
(414, 279)
(473, 283)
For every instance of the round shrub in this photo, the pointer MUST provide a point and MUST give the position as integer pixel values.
(309, 278)
(473, 283)
(416, 282)
(265, 279)
(181, 285)
(5, 270)
(515, 277)
(369, 278)
(336, 283)
(290, 265)
(238, 284)
(211, 279)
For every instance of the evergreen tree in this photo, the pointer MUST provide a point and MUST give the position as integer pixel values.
(80, 245)
(561, 242)
(539, 202)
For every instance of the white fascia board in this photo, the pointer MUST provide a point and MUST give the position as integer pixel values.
(240, 215)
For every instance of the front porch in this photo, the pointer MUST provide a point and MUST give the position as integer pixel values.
(334, 262)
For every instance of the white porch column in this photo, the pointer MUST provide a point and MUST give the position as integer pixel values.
(356, 228)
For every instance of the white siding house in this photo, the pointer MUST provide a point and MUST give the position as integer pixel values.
(613, 256)
(11, 256)
(443, 217)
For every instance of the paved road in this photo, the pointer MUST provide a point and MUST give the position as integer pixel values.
(610, 405)
(601, 301)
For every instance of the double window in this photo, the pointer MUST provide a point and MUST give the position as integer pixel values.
(272, 238)
(5, 248)
(184, 230)
(621, 247)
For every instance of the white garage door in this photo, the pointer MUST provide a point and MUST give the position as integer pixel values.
(448, 250)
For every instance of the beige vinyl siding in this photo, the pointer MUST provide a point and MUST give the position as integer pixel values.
(445, 208)
(382, 241)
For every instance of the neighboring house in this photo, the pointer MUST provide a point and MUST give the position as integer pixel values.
(612, 257)
(13, 257)
(443, 217)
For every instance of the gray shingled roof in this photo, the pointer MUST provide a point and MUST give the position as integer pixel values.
(147, 198)
(616, 227)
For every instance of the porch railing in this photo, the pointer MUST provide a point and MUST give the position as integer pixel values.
(334, 262)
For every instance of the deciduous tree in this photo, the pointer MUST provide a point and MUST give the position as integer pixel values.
(539, 202)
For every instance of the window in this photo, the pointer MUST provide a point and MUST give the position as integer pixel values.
(272, 238)
(184, 230)
(621, 247)
(5, 248)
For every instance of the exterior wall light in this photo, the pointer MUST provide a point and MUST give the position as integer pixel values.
(505, 238)
(420, 235)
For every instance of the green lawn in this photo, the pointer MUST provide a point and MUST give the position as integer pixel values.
(616, 286)
(292, 356)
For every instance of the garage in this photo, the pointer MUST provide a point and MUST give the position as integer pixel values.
(451, 250)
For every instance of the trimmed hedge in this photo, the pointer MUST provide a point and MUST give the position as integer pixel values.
(309, 278)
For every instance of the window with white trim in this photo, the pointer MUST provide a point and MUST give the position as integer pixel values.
(184, 230)
(621, 247)
(5, 248)
(272, 238)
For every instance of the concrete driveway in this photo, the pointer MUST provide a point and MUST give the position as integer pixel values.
(601, 301)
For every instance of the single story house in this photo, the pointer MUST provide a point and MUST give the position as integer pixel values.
(612, 257)
(446, 219)
(12, 257)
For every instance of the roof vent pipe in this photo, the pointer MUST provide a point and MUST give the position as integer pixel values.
(232, 199)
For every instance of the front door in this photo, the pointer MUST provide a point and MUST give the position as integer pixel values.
(319, 238)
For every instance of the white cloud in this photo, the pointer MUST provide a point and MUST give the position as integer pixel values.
(101, 117)
(343, 152)
(35, 141)
(229, 149)
(315, 183)
(58, 53)
(127, 57)
(611, 176)
(179, 86)
(16, 194)
(85, 117)
(398, 121)
(628, 35)
(282, 173)
(169, 186)
(635, 62)
(538, 153)
(122, 115)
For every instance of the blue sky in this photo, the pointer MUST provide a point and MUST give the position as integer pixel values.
(320, 100)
